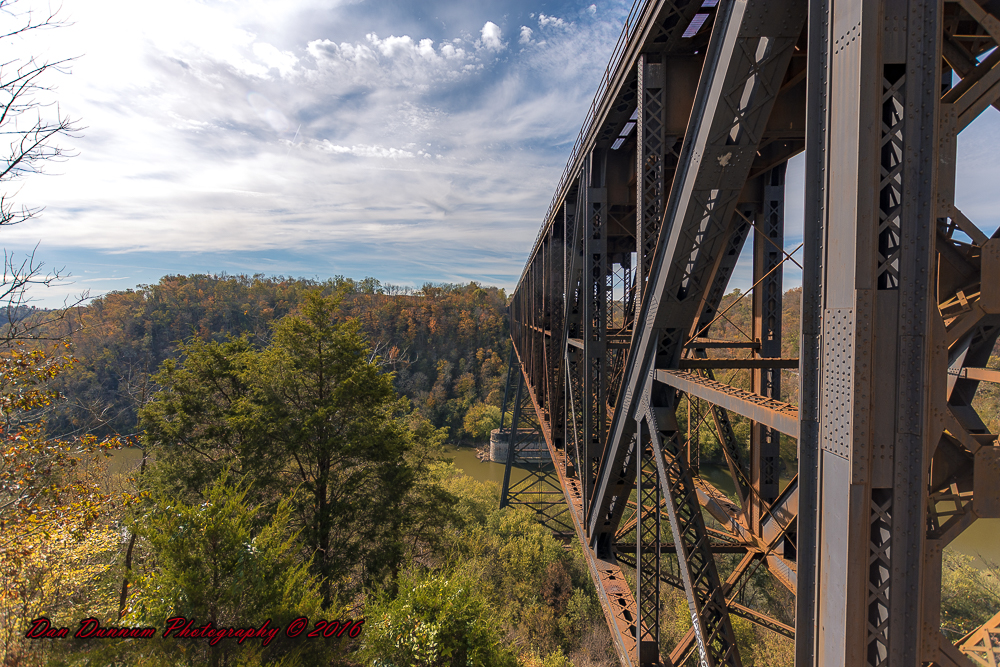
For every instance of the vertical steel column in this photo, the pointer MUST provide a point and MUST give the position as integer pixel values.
(650, 191)
(574, 327)
(555, 351)
(511, 378)
(768, 240)
(536, 365)
(740, 228)
(647, 550)
(539, 368)
(595, 317)
(878, 172)
(693, 443)
(512, 441)
(813, 261)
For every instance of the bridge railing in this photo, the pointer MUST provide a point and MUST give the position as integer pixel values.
(631, 21)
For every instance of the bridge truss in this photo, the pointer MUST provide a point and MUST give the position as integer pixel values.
(679, 165)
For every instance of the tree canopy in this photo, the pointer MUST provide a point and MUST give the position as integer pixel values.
(312, 416)
(447, 345)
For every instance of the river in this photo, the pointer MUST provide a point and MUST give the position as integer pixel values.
(483, 471)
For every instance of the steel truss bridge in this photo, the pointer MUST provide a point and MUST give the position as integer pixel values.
(680, 164)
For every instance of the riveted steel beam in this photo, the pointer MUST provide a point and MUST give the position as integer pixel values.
(768, 258)
(900, 312)
(721, 364)
(651, 153)
(595, 317)
(775, 414)
(709, 615)
(735, 95)
(647, 550)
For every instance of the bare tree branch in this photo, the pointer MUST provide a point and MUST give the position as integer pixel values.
(31, 126)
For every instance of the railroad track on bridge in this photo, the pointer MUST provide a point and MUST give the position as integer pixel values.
(680, 164)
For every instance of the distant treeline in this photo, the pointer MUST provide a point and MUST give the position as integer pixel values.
(446, 344)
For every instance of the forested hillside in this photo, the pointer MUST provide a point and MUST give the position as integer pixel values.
(283, 485)
(447, 345)
(287, 477)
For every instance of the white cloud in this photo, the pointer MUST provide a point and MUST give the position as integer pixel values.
(593, 10)
(365, 151)
(426, 48)
(551, 21)
(273, 58)
(393, 46)
(492, 37)
(268, 112)
(389, 62)
(451, 51)
(323, 50)
(525, 34)
(233, 135)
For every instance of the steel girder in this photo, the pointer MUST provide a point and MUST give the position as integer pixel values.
(768, 248)
(613, 322)
(983, 645)
(888, 270)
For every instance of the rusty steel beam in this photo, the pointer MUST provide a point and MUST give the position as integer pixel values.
(768, 260)
(878, 391)
(648, 550)
(712, 628)
(595, 317)
(706, 343)
(613, 591)
(775, 414)
(983, 643)
(982, 374)
(723, 364)
(681, 161)
(671, 547)
(726, 127)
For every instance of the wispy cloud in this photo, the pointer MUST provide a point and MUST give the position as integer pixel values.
(412, 145)
(369, 151)
(222, 133)
(551, 21)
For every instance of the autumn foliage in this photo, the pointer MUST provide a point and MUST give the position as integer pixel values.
(50, 498)
(446, 345)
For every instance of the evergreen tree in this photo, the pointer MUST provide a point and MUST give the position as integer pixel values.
(221, 562)
(312, 417)
(335, 417)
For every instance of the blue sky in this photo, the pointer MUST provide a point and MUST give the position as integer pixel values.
(410, 141)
